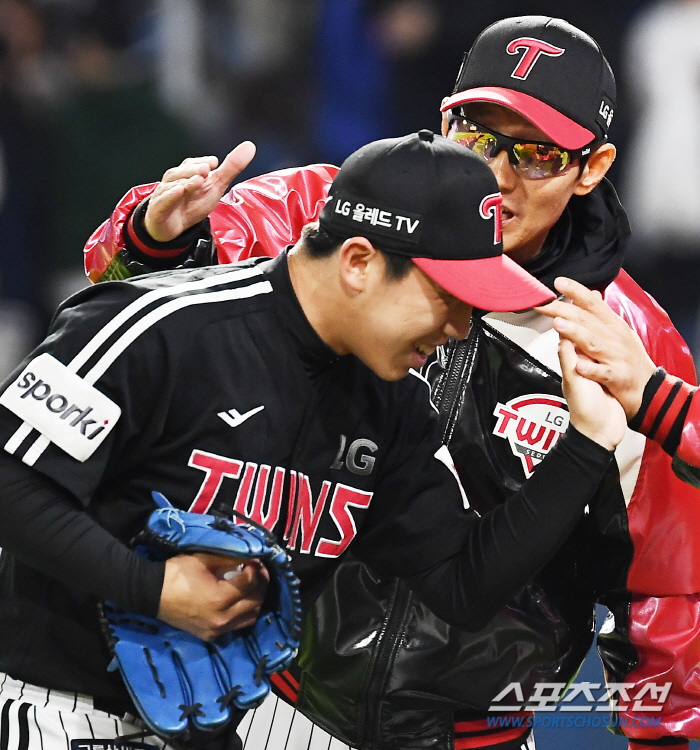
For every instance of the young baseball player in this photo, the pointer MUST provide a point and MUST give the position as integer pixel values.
(535, 98)
(311, 353)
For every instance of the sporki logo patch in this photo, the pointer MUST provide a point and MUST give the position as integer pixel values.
(531, 424)
(62, 406)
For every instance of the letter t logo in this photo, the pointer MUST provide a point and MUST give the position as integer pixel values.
(491, 206)
(533, 48)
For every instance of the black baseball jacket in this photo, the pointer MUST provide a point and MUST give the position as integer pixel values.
(211, 387)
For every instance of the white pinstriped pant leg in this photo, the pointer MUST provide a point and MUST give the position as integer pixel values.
(278, 726)
(35, 718)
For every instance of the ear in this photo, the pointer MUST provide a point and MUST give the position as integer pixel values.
(597, 165)
(357, 260)
(445, 125)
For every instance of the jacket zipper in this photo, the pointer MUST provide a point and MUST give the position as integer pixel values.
(387, 643)
(446, 396)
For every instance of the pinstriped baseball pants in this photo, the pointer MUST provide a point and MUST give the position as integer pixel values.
(35, 718)
(278, 726)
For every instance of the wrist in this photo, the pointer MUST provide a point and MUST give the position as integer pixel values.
(665, 403)
(145, 249)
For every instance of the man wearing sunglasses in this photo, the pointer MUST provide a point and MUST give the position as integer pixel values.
(535, 97)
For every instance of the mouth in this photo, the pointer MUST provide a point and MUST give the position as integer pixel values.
(506, 214)
(423, 351)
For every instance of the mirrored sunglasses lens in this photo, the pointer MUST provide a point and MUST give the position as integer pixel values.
(463, 132)
(537, 162)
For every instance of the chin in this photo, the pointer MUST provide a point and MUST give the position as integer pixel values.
(387, 372)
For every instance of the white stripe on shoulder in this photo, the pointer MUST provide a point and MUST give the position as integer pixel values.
(135, 307)
(35, 450)
(18, 437)
(225, 295)
(182, 300)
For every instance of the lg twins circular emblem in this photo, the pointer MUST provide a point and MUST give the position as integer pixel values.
(531, 424)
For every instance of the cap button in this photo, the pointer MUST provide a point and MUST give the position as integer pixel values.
(426, 135)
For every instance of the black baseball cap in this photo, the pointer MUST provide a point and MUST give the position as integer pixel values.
(547, 70)
(427, 198)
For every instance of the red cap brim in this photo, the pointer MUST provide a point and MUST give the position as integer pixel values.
(496, 284)
(556, 126)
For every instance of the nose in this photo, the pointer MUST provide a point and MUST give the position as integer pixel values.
(503, 171)
(458, 320)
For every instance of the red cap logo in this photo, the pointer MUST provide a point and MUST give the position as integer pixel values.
(491, 207)
(532, 49)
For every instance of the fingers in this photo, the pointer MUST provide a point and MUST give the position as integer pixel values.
(589, 325)
(252, 585)
(593, 411)
(582, 297)
(242, 586)
(584, 335)
(235, 162)
(201, 165)
(194, 598)
(588, 299)
(593, 370)
(567, 358)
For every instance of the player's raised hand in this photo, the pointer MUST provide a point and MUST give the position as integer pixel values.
(615, 355)
(593, 411)
(187, 194)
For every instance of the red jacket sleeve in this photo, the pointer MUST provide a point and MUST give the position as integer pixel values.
(663, 512)
(263, 215)
(260, 216)
(100, 252)
(687, 458)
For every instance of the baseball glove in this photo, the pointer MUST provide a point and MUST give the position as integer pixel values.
(179, 682)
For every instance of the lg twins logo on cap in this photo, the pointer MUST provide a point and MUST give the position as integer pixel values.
(491, 207)
(62, 406)
(532, 424)
(532, 49)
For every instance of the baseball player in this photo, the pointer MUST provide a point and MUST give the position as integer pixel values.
(535, 97)
(662, 407)
(195, 381)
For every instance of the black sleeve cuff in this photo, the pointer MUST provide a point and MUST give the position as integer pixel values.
(160, 255)
(585, 449)
(650, 389)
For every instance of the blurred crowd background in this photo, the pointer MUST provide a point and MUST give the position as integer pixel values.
(99, 95)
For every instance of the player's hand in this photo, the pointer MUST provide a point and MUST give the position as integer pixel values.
(614, 354)
(592, 410)
(198, 596)
(189, 193)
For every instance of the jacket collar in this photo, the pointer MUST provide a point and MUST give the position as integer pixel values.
(315, 354)
(588, 242)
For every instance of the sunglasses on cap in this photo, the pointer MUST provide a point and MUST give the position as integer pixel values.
(534, 160)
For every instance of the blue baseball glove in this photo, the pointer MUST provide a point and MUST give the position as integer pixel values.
(179, 682)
